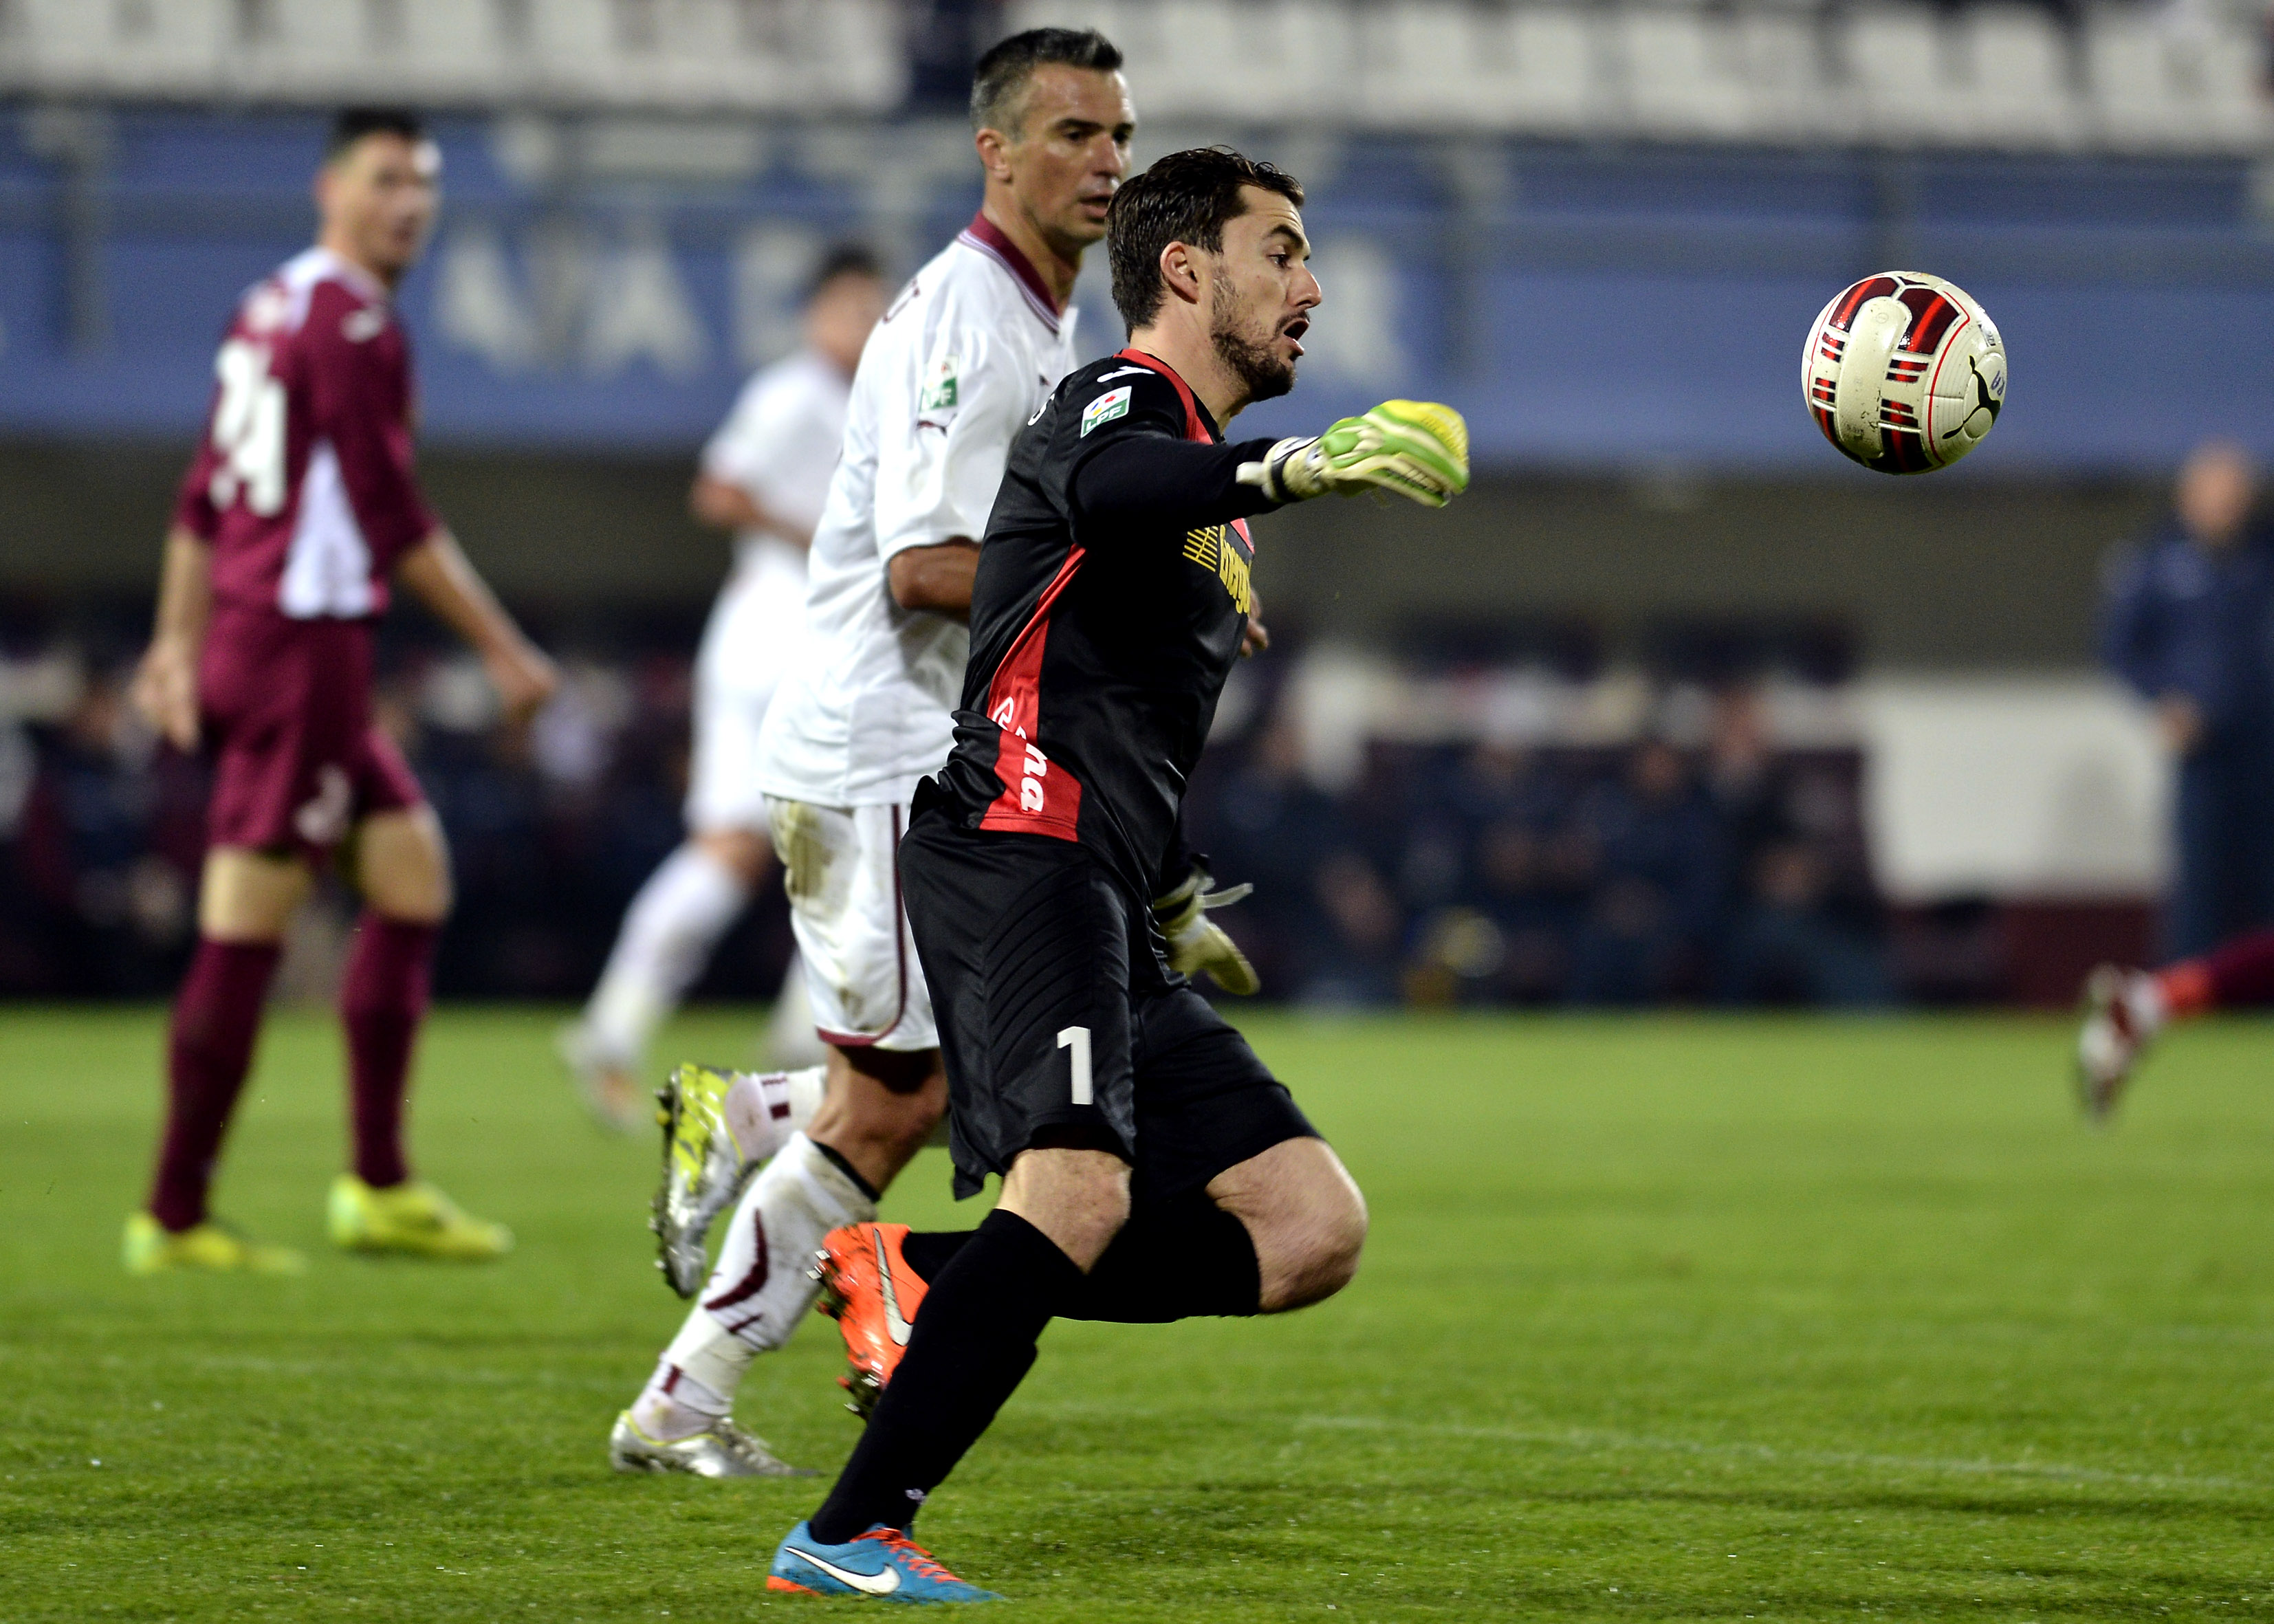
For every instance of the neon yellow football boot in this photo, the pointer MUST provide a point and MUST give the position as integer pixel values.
(414, 1218)
(149, 1248)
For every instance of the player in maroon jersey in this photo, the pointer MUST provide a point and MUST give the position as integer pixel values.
(298, 513)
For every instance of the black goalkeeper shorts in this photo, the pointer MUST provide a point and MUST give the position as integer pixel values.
(1054, 1013)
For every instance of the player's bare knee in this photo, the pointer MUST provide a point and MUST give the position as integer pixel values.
(402, 866)
(1305, 1216)
(743, 852)
(1077, 1196)
(1309, 1247)
(250, 896)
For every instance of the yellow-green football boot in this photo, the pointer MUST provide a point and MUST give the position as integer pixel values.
(150, 1248)
(414, 1218)
(704, 1171)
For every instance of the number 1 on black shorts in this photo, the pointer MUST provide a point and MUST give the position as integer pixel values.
(1077, 1039)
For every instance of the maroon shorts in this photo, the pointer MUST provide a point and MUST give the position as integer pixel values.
(286, 711)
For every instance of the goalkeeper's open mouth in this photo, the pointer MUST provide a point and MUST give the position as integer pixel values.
(1293, 331)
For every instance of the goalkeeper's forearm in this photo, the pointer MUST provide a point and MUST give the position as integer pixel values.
(1151, 480)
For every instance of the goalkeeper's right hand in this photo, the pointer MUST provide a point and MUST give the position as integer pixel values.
(1417, 448)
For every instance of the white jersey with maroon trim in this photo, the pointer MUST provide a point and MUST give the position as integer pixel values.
(969, 351)
(780, 444)
(304, 482)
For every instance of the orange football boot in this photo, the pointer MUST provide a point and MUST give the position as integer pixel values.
(868, 1289)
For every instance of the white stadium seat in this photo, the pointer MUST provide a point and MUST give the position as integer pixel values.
(1310, 44)
(2176, 78)
(170, 48)
(455, 51)
(1795, 96)
(2013, 63)
(318, 47)
(2159, 85)
(1901, 67)
(720, 56)
(1554, 84)
(1426, 66)
(1685, 76)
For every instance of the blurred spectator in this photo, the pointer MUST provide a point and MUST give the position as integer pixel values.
(1271, 826)
(1801, 922)
(1481, 875)
(118, 909)
(1658, 862)
(1528, 869)
(1788, 942)
(1356, 960)
(2186, 624)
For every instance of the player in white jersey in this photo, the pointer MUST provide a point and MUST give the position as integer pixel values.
(765, 476)
(965, 354)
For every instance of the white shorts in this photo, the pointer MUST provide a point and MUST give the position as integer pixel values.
(722, 779)
(841, 868)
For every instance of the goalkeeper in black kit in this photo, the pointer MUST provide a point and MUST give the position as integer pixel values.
(1152, 1168)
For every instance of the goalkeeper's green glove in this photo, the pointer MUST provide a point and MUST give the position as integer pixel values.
(1417, 448)
(1196, 943)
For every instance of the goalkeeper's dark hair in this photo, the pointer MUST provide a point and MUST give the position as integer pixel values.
(843, 259)
(350, 124)
(1187, 196)
(998, 84)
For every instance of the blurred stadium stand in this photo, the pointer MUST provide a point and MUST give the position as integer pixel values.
(1600, 230)
(2112, 77)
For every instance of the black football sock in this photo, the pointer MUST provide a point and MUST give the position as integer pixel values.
(837, 1159)
(1186, 1258)
(1181, 1260)
(973, 1344)
(928, 1253)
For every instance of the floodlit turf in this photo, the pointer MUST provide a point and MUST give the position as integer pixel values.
(1662, 1317)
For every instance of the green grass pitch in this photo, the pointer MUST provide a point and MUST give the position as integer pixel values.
(1673, 1318)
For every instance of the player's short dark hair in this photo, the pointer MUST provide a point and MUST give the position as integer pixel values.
(1186, 197)
(350, 124)
(843, 259)
(1000, 78)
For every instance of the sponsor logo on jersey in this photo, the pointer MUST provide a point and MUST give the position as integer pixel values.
(1212, 550)
(360, 325)
(939, 391)
(1111, 404)
(1034, 766)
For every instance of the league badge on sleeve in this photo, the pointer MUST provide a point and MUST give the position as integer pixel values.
(939, 391)
(1111, 404)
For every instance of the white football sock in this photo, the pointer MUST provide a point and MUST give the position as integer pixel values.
(789, 1032)
(2145, 996)
(764, 1109)
(666, 940)
(759, 1289)
(674, 1405)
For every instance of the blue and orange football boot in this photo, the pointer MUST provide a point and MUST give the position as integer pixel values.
(883, 1564)
(868, 1289)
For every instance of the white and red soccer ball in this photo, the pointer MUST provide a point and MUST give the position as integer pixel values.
(1904, 373)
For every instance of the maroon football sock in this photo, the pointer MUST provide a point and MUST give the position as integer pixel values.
(216, 1017)
(2234, 975)
(382, 1000)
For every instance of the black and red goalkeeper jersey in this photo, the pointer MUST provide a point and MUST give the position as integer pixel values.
(1111, 598)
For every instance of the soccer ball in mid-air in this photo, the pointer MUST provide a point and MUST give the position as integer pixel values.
(1904, 373)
